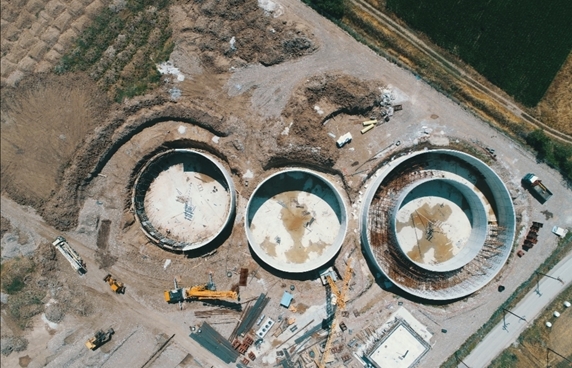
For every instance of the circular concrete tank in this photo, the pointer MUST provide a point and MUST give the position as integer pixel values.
(295, 221)
(415, 186)
(440, 224)
(183, 199)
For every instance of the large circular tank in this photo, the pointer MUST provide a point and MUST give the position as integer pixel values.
(183, 199)
(438, 224)
(295, 221)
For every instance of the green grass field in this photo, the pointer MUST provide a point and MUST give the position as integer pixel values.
(121, 48)
(519, 45)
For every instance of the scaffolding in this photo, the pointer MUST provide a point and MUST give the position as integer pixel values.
(384, 244)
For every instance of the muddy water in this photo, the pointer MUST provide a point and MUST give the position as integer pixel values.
(300, 254)
(428, 219)
(296, 218)
(269, 247)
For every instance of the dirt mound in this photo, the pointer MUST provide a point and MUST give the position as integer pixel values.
(45, 259)
(29, 280)
(236, 32)
(319, 99)
(5, 226)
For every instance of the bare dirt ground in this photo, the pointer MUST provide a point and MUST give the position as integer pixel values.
(275, 104)
(44, 121)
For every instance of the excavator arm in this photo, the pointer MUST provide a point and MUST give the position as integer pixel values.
(200, 292)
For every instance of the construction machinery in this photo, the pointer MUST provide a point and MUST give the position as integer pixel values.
(115, 285)
(340, 306)
(99, 339)
(536, 187)
(70, 254)
(198, 292)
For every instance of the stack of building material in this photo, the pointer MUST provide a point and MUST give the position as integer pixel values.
(215, 343)
(251, 315)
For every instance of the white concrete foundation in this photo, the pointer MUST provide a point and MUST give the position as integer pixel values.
(296, 221)
(187, 205)
(183, 199)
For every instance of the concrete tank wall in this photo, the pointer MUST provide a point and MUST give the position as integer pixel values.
(462, 283)
(295, 221)
(215, 176)
(478, 231)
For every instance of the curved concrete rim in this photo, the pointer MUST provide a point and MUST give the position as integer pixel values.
(478, 232)
(308, 266)
(164, 241)
(505, 211)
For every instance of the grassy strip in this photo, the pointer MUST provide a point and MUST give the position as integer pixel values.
(559, 253)
(121, 48)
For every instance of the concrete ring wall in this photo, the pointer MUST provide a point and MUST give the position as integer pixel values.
(264, 191)
(478, 232)
(459, 287)
(141, 186)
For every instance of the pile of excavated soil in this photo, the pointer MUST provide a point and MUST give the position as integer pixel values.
(37, 284)
(231, 33)
(316, 101)
(5, 226)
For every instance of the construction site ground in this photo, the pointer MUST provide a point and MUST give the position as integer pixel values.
(69, 158)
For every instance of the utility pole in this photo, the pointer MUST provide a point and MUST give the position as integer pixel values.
(460, 360)
(553, 278)
(538, 274)
(548, 350)
(504, 327)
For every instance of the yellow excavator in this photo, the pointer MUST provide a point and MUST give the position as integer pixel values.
(99, 339)
(198, 292)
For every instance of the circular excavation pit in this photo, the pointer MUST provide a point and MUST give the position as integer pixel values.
(296, 221)
(183, 199)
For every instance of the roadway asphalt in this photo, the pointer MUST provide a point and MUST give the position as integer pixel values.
(529, 308)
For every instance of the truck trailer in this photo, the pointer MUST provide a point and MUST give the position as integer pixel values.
(536, 187)
(70, 254)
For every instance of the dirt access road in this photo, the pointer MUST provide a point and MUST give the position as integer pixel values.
(126, 313)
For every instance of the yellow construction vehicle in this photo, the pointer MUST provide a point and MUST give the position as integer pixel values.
(115, 285)
(198, 292)
(99, 339)
(341, 305)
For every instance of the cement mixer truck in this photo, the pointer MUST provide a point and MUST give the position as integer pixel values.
(536, 187)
